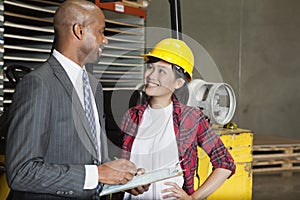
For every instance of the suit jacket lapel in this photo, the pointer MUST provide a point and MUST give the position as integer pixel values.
(96, 88)
(78, 113)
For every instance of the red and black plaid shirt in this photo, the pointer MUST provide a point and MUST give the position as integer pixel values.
(191, 130)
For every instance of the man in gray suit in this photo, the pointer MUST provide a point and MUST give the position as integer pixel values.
(51, 152)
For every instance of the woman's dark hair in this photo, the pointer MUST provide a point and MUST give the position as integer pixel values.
(182, 94)
(151, 59)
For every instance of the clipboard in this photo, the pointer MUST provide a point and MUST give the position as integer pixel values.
(144, 179)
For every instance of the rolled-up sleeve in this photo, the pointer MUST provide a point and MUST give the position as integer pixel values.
(212, 144)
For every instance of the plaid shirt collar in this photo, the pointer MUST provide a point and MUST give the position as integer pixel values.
(140, 109)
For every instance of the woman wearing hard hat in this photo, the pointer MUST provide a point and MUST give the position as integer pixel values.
(163, 131)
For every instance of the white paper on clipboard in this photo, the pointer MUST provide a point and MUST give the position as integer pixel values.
(144, 179)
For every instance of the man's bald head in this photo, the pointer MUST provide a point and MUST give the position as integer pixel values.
(79, 31)
(73, 11)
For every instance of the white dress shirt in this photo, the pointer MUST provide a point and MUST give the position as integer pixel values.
(74, 72)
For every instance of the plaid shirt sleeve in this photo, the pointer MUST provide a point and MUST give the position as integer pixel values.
(193, 130)
(211, 143)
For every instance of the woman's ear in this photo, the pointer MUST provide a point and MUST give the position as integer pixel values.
(78, 31)
(179, 83)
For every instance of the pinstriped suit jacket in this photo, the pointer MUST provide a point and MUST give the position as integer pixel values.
(49, 139)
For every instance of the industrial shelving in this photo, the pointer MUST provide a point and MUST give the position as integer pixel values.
(28, 36)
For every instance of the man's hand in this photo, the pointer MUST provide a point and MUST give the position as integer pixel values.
(141, 189)
(116, 172)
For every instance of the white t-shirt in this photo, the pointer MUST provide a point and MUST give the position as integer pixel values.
(155, 147)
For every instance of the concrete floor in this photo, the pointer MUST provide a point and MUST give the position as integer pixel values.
(276, 186)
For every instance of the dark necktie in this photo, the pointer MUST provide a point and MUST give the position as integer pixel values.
(89, 111)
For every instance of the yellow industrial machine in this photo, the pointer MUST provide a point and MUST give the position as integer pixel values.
(4, 189)
(217, 101)
(239, 143)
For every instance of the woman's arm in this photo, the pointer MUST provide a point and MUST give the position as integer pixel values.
(212, 183)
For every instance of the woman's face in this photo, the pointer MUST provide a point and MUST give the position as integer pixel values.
(160, 79)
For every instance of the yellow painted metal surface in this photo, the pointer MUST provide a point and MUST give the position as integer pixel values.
(4, 189)
(239, 143)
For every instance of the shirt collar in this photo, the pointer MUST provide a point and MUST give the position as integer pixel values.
(73, 70)
(176, 107)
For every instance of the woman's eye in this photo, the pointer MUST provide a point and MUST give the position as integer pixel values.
(149, 67)
(162, 71)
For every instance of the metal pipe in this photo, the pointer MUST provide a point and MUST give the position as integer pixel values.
(175, 19)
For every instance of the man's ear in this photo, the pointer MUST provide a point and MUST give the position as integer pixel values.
(78, 31)
(179, 83)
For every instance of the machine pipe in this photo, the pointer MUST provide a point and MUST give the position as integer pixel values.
(175, 19)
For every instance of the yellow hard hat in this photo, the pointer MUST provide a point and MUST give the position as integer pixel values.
(176, 52)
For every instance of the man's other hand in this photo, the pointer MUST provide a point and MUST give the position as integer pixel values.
(141, 189)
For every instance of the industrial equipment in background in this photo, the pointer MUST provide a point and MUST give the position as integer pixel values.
(216, 100)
